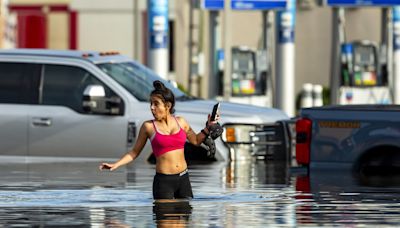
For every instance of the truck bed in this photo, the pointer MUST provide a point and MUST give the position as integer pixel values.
(358, 108)
(349, 136)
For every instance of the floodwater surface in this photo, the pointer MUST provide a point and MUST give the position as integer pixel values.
(240, 194)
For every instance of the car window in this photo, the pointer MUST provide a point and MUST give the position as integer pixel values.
(17, 83)
(135, 78)
(64, 85)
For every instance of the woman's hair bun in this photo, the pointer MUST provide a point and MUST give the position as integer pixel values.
(158, 85)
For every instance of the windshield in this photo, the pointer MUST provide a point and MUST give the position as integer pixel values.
(137, 79)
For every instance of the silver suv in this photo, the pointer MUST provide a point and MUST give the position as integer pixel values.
(88, 105)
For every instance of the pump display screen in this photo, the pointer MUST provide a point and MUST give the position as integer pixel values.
(243, 62)
(364, 56)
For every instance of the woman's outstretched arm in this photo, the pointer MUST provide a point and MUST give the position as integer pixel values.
(131, 155)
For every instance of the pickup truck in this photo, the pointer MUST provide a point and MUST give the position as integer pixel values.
(361, 138)
(50, 110)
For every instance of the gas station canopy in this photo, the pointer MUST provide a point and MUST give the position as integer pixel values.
(245, 4)
(362, 3)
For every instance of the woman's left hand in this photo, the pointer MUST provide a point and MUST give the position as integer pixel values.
(209, 122)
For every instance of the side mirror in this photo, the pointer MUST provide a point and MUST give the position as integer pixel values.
(95, 101)
(94, 91)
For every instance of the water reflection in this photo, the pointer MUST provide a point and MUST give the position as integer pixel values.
(332, 198)
(252, 173)
(172, 213)
(239, 194)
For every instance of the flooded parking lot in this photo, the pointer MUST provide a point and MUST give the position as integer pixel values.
(241, 194)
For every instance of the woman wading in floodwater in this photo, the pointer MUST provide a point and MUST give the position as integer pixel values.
(167, 134)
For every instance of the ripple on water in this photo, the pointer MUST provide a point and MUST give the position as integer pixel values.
(225, 196)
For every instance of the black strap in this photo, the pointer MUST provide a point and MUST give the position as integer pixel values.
(204, 132)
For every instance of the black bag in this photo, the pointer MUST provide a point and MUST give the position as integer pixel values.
(210, 147)
(215, 130)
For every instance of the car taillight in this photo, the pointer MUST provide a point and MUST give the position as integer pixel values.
(303, 140)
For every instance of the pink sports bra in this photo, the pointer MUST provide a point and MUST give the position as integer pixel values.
(162, 144)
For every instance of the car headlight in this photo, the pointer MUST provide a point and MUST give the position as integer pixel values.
(238, 133)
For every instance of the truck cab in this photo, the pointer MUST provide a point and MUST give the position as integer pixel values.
(66, 105)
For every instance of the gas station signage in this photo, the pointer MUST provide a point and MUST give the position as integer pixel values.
(359, 3)
(245, 4)
(213, 4)
(257, 4)
(158, 23)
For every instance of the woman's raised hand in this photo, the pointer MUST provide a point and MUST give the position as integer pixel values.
(217, 118)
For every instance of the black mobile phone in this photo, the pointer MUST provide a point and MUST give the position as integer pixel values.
(214, 111)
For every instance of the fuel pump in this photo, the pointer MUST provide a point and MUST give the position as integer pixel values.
(251, 79)
(360, 64)
(243, 72)
(363, 78)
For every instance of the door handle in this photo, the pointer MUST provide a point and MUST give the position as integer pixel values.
(41, 122)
